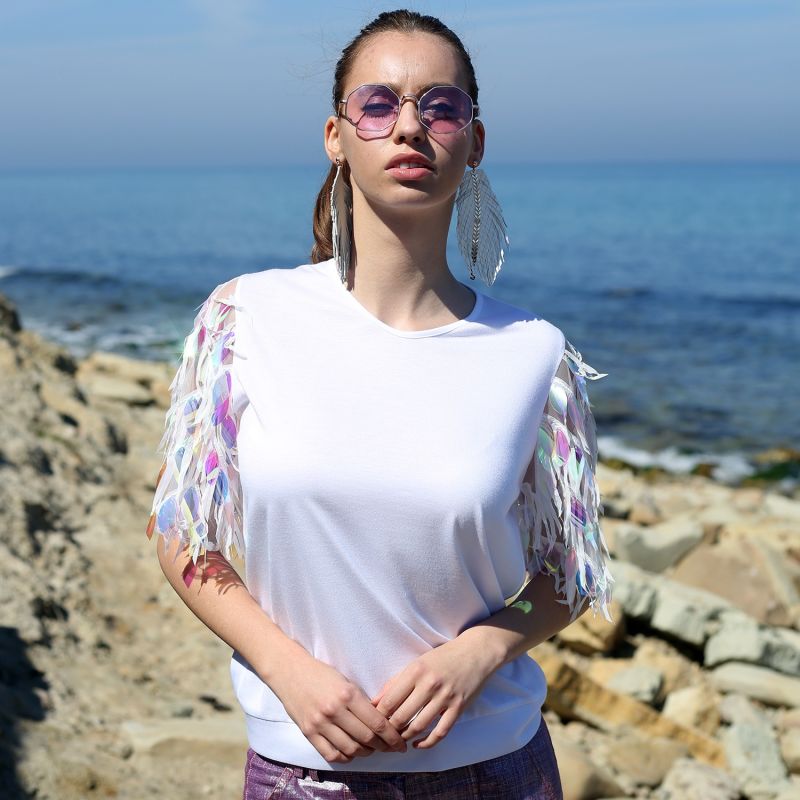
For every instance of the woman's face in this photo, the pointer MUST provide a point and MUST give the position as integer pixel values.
(406, 62)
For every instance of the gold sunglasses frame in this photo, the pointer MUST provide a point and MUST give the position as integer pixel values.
(475, 107)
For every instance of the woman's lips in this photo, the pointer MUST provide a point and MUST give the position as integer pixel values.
(409, 173)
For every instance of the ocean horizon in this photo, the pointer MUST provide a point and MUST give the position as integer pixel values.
(678, 279)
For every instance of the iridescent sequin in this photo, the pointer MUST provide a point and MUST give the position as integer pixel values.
(198, 495)
(559, 510)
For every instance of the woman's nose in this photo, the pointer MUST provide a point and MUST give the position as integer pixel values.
(408, 121)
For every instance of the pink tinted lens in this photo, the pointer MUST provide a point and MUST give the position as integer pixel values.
(372, 107)
(446, 109)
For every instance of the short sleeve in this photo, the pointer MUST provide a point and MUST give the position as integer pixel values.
(559, 506)
(198, 491)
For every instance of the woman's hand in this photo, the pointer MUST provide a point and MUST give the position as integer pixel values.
(443, 681)
(333, 713)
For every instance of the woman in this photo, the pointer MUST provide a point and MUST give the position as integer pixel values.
(395, 453)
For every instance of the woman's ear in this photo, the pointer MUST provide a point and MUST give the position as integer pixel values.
(478, 142)
(332, 143)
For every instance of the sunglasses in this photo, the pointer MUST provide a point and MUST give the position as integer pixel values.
(373, 107)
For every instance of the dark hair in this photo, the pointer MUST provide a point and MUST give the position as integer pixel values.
(400, 21)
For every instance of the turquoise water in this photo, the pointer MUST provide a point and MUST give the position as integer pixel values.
(681, 281)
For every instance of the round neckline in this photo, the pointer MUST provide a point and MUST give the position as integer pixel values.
(333, 272)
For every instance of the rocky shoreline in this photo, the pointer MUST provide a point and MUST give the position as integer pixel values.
(110, 687)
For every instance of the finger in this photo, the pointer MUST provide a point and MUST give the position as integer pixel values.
(391, 699)
(406, 717)
(326, 749)
(423, 720)
(341, 739)
(376, 729)
(360, 724)
(448, 719)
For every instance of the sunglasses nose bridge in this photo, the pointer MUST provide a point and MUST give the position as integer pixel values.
(402, 100)
(406, 96)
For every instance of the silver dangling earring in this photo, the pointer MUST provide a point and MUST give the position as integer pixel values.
(480, 226)
(341, 222)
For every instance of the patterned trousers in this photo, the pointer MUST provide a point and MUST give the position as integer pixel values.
(530, 773)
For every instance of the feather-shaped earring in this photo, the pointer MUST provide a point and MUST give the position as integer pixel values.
(480, 226)
(341, 222)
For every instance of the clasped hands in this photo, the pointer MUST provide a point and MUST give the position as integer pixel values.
(443, 681)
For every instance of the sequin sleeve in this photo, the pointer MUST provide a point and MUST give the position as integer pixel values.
(198, 493)
(559, 506)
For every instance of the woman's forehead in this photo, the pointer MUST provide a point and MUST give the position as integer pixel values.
(406, 62)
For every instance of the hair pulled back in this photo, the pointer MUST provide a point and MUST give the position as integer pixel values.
(398, 21)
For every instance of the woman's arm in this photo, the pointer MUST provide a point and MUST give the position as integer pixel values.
(334, 714)
(217, 596)
(533, 618)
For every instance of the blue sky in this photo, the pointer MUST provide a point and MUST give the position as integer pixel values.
(247, 82)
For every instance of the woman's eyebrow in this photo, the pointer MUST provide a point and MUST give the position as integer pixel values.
(395, 88)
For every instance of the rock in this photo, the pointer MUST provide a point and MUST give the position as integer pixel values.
(110, 387)
(682, 615)
(782, 507)
(776, 567)
(660, 546)
(635, 592)
(792, 792)
(779, 533)
(9, 317)
(74, 408)
(754, 757)
(716, 515)
(681, 612)
(790, 749)
(694, 707)
(748, 499)
(222, 737)
(748, 573)
(786, 719)
(735, 708)
(572, 695)
(581, 778)
(741, 638)
(644, 759)
(182, 710)
(87, 613)
(590, 634)
(602, 670)
(676, 669)
(639, 681)
(760, 683)
(644, 510)
(691, 780)
(130, 369)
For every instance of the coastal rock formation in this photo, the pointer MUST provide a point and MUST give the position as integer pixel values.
(110, 687)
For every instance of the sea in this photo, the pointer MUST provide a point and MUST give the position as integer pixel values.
(680, 281)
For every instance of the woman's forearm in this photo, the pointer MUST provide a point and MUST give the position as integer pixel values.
(218, 597)
(531, 619)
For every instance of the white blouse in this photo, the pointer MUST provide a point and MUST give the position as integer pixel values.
(387, 489)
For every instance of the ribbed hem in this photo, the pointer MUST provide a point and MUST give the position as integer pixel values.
(468, 742)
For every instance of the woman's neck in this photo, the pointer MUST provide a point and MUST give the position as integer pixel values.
(399, 268)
